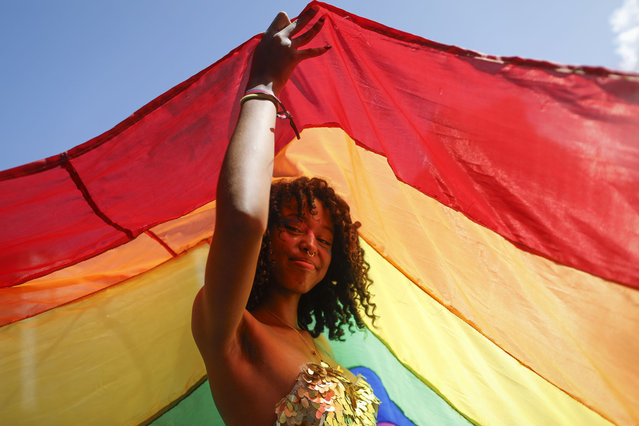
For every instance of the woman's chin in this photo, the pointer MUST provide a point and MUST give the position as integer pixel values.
(302, 287)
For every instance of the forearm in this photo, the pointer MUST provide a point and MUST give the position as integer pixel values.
(245, 179)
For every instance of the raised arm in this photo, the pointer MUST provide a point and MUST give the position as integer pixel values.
(244, 185)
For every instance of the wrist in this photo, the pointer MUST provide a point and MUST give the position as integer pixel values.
(280, 109)
(262, 95)
(265, 87)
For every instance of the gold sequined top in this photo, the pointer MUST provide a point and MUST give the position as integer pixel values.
(322, 395)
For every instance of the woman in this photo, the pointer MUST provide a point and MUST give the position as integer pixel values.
(267, 271)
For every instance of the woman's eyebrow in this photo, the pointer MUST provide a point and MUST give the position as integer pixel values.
(328, 228)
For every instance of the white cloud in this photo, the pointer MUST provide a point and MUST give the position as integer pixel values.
(625, 24)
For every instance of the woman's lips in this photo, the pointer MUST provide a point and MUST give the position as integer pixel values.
(304, 264)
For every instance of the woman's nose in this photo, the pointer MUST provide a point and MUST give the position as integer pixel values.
(309, 239)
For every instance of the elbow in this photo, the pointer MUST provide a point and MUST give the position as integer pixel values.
(244, 220)
(242, 210)
(252, 223)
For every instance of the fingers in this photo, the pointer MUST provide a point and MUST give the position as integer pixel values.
(308, 35)
(311, 53)
(301, 22)
(280, 22)
(276, 55)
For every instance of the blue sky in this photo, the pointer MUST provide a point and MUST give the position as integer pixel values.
(72, 69)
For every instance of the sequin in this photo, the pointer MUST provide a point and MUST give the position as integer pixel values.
(322, 395)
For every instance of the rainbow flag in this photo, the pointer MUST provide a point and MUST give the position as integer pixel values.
(499, 199)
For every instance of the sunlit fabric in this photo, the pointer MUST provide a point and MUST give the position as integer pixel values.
(499, 208)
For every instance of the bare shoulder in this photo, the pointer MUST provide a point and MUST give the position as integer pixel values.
(227, 361)
(203, 330)
(242, 371)
(240, 351)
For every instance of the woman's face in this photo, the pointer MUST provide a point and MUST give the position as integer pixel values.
(301, 247)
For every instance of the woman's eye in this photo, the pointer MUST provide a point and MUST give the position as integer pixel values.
(293, 228)
(325, 242)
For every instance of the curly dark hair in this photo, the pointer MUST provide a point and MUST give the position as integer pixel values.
(334, 301)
